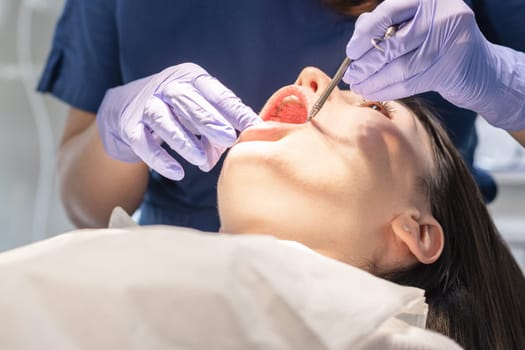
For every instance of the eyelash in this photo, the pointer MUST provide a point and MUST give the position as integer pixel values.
(384, 107)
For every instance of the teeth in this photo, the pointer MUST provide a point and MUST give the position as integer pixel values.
(288, 102)
(290, 99)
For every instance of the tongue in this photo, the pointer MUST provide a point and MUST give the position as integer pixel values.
(288, 110)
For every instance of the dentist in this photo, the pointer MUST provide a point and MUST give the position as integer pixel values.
(146, 130)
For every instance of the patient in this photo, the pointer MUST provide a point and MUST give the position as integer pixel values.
(378, 186)
(381, 187)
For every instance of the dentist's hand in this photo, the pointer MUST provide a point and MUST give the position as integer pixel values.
(172, 106)
(439, 48)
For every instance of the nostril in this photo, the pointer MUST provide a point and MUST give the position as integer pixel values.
(314, 86)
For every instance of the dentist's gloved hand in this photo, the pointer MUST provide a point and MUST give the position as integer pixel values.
(439, 48)
(172, 106)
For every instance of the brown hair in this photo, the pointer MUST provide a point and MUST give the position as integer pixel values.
(475, 290)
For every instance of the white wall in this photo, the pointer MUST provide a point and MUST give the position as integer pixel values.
(505, 158)
(31, 125)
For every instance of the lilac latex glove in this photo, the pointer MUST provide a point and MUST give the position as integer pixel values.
(172, 106)
(438, 47)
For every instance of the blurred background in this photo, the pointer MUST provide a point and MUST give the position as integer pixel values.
(30, 208)
(31, 125)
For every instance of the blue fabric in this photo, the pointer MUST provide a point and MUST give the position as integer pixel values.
(253, 47)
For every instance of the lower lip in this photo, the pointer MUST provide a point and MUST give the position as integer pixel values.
(266, 131)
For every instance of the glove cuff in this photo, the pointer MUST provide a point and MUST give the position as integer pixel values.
(503, 102)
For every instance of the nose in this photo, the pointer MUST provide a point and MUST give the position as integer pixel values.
(314, 79)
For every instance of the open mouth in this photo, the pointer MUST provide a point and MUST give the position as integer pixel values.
(289, 104)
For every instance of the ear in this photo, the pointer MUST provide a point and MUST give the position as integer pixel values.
(422, 234)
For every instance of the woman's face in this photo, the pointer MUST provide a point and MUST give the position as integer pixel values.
(334, 183)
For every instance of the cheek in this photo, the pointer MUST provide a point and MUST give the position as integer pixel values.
(404, 163)
(387, 156)
(374, 143)
(402, 152)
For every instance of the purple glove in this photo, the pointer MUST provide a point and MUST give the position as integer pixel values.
(438, 47)
(172, 106)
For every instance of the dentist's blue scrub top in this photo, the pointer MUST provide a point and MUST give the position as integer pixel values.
(254, 47)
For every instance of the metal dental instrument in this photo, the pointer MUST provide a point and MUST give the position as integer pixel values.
(390, 31)
(335, 80)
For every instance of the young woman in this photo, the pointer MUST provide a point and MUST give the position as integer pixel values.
(375, 185)
(381, 187)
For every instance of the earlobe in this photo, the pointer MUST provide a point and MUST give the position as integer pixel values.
(422, 234)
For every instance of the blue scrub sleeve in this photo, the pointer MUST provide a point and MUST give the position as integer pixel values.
(84, 59)
(502, 21)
